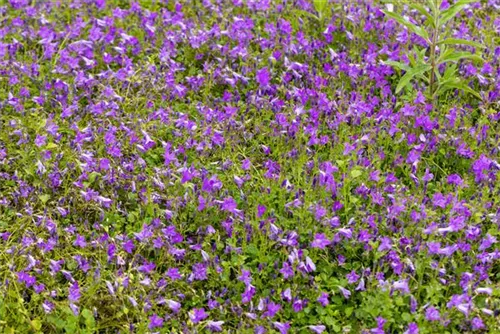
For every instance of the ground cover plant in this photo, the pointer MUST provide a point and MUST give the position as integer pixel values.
(249, 166)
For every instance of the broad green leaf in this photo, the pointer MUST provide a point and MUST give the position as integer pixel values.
(37, 324)
(412, 27)
(456, 56)
(453, 10)
(44, 198)
(320, 5)
(410, 75)
(401, 66)
(455, 41)
(356, 173)
(51, 146)
(455, 83)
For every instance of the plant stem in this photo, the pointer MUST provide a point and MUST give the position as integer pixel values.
(433, 45)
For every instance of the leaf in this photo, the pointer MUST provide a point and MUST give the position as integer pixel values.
(304, 12)
(432, 5)
(450, 13)
(456, 84)
(455, 41)
(456, 56)
(410, 74)
(422, 10)
(401, 66)
(450, 71)
(412, 27)
(320, 5)
(51, 146)
(44, 198)
(37, 324)
(356, 173)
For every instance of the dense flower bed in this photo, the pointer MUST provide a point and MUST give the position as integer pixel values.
(245, 166)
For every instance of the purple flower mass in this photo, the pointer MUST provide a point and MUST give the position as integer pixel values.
(249, 166)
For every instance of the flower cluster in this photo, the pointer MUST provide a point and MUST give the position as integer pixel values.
(244, 166)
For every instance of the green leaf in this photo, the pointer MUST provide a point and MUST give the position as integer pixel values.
(50, 146)
(397, 64)
(356, 173)
(456, 56)
(348, 311)
(432, 5)
(93, 176)
(44, 198)
(37, 324)
(306, 13)
(449, 72)
(450, 13)
(320, 5)
(455, 41)
(410, 74)
(456, 84)
(412, 27)
(422, 10)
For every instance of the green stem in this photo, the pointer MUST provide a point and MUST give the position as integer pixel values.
(432, 79)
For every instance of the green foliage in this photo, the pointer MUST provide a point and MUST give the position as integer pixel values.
(435, 33)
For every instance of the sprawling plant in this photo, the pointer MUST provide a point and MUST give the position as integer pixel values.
(426, 64)
(244, 166)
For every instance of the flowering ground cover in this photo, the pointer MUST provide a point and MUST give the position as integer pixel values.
(249, 166)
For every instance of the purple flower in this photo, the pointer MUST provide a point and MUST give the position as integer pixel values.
(298, 305)
(40, 140)
(320, 241)
(26, 279)
(477, 323)
(245, 277)
(74, 292)
(282, 327)
(287, 270)
(155, 321)
(215, 326)
(263, 77)
(345, 292)
(173, 305)
(247, 296)
(412, 329)
(200, 271)
(323, 299)
(402, 286)
(318, 329)
(246, 164)
(174, 274)
(455, 179)
(310, 266)
(352, 277)
(272, 309)
(128, 246)
(48, 306)
(432, 314)
(487, 291)
(487, 242)
(261, 209)
(480, 166)
(197, 314)
(80, 241)
(385, 244)
(229, 204)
